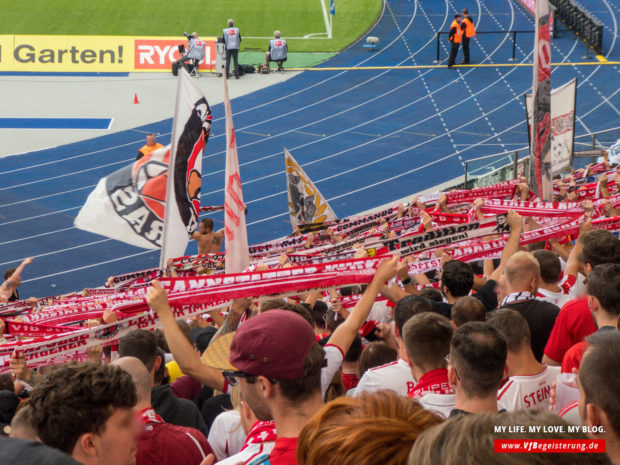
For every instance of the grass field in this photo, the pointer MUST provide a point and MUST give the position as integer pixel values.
(296, 18)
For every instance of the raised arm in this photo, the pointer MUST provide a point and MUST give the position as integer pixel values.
(515, 221)
(343, 336)
(182, 350)
(16, 278)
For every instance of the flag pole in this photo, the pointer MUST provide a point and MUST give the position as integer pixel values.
(170, 180)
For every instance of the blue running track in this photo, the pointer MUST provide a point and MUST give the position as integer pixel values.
(366, 137)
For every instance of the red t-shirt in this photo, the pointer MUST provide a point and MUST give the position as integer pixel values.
(284, 452)
(573, 324)
(350, 380)
(165, 444)
(572, 357)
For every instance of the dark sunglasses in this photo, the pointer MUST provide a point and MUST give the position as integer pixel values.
(232, 377)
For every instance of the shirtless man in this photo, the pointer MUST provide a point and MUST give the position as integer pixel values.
(13, 278)
(208, 241)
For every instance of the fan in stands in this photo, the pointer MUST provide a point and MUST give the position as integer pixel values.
(471, 246)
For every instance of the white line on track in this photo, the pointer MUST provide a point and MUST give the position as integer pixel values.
(254, 108)
(330, 199)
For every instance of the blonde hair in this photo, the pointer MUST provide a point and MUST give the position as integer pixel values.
(377, 428)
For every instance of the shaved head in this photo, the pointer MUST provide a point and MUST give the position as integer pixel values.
(140, 376)
(522, 270)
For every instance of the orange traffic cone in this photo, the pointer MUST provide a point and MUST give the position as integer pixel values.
(135, 99)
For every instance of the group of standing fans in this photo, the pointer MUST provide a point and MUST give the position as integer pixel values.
(430, 368)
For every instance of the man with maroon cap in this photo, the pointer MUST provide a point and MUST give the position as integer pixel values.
(276, 360)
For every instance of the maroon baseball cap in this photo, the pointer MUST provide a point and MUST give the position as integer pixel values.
(273, 344)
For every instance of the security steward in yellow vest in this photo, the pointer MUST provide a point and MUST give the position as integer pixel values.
(468, 30)
(150, 146)
(455, 38)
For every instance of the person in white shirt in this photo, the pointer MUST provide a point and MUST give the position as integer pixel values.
(529, 382)
(226, 436)
(427, 338)
(550, 289)
(396, 376)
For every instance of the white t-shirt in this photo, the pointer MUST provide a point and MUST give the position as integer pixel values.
(556, 298)
(334, 357)
(442, 404)
(226, 436)
(380, 312)
(570, 413)
(528, 392)
(395, 376)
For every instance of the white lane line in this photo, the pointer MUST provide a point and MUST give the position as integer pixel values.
(257, 107)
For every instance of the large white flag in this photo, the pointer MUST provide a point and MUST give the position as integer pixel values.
(130, 204)
(562, 124)
(305, 203)
(540, 148)
(237, 254)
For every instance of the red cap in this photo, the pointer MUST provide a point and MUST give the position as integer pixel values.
(273, 344)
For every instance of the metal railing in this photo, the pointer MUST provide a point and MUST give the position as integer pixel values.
(514, 39)
(587, 27)
(499, 167)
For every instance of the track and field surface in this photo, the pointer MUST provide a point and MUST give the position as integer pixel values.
(366, 137)
(256, 19)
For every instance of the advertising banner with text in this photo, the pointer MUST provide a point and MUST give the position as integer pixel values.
(95, 54)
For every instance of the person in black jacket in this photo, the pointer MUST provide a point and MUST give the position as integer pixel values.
(142, 344)
(522, 276)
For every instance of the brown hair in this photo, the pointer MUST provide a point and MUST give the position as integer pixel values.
(600, 246)
(8, 273)
(478, 354)
(469, 440)
(274, 304)
(431, 294)
(604, 284)
(376, 354)
(427, 339)
(550, 267)
(374, 428)
(299, 390)
(73, 400)
(207, 223)
(513, 327)
(599, 377)
(468, 309)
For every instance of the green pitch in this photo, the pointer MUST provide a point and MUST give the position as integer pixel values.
(255, 18)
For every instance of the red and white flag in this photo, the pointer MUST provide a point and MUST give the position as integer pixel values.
(562, 124)
(541, 138)
(235, 231)
(146, 204)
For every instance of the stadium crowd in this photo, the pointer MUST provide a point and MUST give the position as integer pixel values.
(430, 355)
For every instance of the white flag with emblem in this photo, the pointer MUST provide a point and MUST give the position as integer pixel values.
(305, 203)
